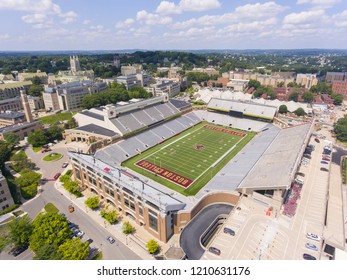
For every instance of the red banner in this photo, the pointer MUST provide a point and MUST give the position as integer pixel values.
(164, 173)
(224, 130)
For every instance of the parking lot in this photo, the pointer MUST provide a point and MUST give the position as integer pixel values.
(280, 237)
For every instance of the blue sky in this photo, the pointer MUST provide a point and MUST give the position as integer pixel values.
(172, 24)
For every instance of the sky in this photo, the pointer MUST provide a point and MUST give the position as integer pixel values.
(29, 25)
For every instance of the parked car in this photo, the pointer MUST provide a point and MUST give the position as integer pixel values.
(19, 250)
(56, 176)
(311, 146)
(317, 140)
(307, 156)
(214, 250)
(64, 164)
(229, 231)
(311, 246)
(326, 158)
(313, 236)
(71, 208)
(300, 174)
(308, 257)
(324, 162)
(110, 239)
(324, 169)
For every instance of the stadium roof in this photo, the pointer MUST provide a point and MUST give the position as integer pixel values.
(247, 108)
(205, 95)
(93, 128)
(277, 166)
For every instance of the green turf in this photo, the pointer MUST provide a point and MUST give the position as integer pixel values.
(52, 119)
(179, 155)
(52, 157)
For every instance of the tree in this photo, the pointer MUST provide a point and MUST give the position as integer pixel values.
(35, 90)
(20, 230)
(74, 249)
(254, 83)
(283, 109)
(12, 139)
(5, 152)
(308, 97)
(49, 228)
(28, 182)
(294, 96)
(111, 216)
(54, 133)
(338, 98)
(47, 252)
(92, 202)
(300, 112)
(152, 246)
(340, 129)
(280, 84)
(37, 138)
(127, 228)
(36, 80)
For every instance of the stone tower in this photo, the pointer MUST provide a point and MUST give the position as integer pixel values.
(26, 106)
(74, 64)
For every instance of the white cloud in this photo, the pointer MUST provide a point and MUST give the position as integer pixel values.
(30, 6)
(69, 17)
(304, 17)
(242, 14)
(319, 3)
(86, 21)
(34, 18)
(170, 8)
(152, 19)
(125, 24)
(340, 19)
(4, 36)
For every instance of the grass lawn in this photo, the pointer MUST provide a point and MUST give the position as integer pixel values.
(52, 119)
(52, 157)
(37, 149)
(344, 170)
(50, 208)
(186, 162)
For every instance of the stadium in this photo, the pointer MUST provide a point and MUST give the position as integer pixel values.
(168, 162)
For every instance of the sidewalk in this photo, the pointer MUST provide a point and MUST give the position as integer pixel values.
(135, 242)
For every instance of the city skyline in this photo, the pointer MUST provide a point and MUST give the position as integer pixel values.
(182, 24)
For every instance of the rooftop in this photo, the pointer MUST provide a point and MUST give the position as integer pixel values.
(93, 128)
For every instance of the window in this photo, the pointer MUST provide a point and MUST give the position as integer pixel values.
(126, 200)
(140, 209)
(118, 195)
(132, 204)
(153, 221)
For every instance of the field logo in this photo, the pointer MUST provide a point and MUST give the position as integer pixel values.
(199, 147)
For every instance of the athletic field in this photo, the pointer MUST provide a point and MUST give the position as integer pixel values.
(186, 162)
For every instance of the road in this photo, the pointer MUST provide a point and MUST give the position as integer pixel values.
(92, 229)
(191, 234)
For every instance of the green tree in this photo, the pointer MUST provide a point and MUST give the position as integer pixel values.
(5, 152)
(12, 139)
(283, 109)
(294, 96)
(338, 98)
(340, 129)
(37, 138)
(20, 230)
(92, 202)
(308, 97)
(254, 83)
(47, 252)
(49, 228)
(54, 133)
(300, 112)
(111, 216)
(152, 246)
(36, 90)
(127, 228)
(36, 80)
(74, 249)
(280, 84)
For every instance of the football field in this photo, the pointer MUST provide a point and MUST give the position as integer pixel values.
(189, 160)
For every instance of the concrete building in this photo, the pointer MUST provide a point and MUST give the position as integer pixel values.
(10, 118)
(265, 80)
(129, 81)
(131, 69)
(335, 77)
(237, 84)
(10, 90)
(6, 199)
(20, 129)
(35, 103)
(26, 107)
(11, 104)
(163, 87)
(340, 87)
(68, 97)
(307, 80)
(22, 77)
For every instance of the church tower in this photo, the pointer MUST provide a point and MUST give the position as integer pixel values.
(74, 64)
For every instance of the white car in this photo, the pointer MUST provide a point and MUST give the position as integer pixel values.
(313, 236)
(311, 246)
